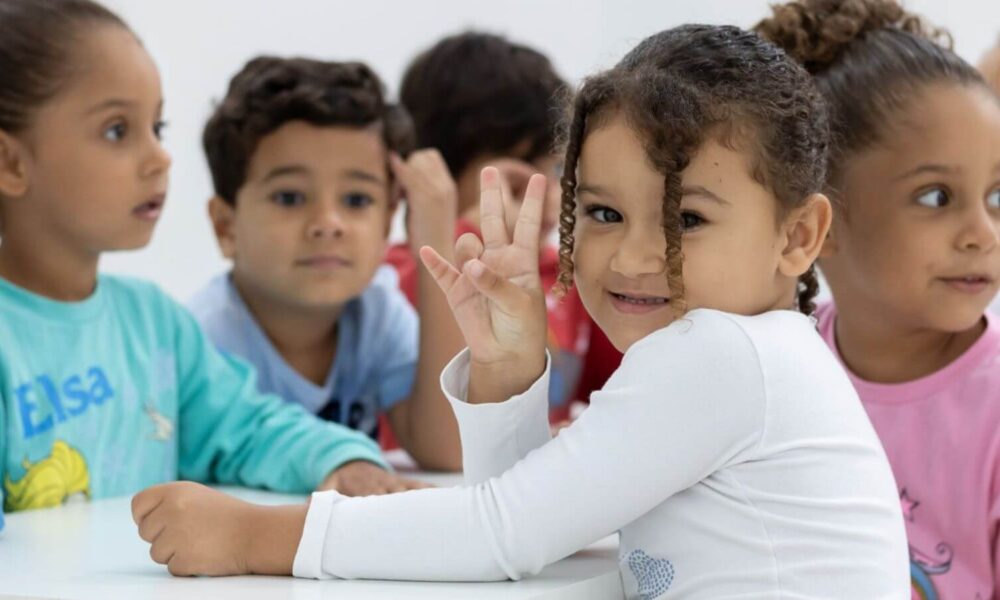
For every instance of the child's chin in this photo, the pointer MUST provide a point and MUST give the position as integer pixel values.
(132, 243)
(323, 299)
(956, 319)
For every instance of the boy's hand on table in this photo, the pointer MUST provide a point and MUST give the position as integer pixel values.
(361, 478)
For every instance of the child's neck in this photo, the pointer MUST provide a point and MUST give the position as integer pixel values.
(878, 350)
(307, 340)
(30, 261)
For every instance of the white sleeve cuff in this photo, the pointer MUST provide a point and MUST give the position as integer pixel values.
(497, 435)
(308, 562)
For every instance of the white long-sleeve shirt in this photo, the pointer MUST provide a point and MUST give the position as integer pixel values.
(731, 453)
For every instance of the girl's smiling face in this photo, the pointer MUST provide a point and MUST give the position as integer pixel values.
(919, 241)
(740, 254)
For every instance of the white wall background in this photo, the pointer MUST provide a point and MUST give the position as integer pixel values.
(200, 44)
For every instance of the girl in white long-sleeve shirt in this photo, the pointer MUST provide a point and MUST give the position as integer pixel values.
(729, 450)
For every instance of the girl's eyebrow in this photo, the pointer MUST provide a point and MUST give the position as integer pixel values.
(932, 168)
(697, 190)
(118, 103)
(596, 190)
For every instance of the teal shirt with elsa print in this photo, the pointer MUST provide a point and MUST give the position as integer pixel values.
(121, 391)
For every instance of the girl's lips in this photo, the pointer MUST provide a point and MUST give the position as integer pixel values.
(151, 209)
(637, 305)
(972, 284)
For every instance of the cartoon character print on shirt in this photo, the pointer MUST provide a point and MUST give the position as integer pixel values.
(163, 428)
(923, 566)
(50, 481)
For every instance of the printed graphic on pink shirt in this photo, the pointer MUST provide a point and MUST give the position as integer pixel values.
(923, 566)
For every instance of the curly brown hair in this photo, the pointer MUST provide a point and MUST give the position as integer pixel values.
(682, 86)
(270, 91)
(869, 58)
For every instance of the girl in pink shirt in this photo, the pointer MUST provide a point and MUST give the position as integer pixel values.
(913, 260)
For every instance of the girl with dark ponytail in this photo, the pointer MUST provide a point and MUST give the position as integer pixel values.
(913, 260)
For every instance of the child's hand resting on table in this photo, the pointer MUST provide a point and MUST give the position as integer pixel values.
(196, 530)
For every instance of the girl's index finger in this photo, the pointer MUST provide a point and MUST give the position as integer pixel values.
(491, 214)
(528, 229)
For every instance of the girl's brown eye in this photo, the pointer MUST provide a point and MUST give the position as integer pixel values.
(690, 220)
(115, 133)
(603, 214)
(935, 198)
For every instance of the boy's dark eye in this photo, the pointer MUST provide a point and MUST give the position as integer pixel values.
(603, 214)
(691, 220)
(115, 132)
(358, 200)
(934, 198)
(288, 199)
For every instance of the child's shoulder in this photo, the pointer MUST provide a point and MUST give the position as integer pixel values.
(383, 297)
(217, 302)
(145, 305)
(704, 341)
(382, 311)
(134, 292)
(127, 286)
(984, 360)
(714, 329)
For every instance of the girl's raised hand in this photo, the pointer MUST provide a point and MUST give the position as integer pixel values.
(496, 295)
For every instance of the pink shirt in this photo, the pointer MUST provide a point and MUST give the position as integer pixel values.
(942, 436)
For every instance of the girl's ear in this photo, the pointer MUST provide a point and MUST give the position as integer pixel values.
(830, 245)
(223, 216)
(13, 166)
(806, 230)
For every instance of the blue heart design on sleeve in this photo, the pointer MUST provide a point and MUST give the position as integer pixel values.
(654, 575)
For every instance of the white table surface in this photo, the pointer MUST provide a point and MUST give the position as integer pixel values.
(92, 550)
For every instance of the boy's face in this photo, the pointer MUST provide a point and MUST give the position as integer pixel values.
(920, 241)
(310, 223)
(732, 244)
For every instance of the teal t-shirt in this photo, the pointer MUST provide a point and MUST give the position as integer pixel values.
(121, 391)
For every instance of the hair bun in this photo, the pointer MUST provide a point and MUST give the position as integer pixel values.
(816, 32)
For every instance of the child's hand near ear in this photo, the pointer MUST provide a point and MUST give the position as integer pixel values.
(495, 293)
(431, 198)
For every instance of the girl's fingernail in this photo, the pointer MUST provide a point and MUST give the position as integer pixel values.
(476, 268)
